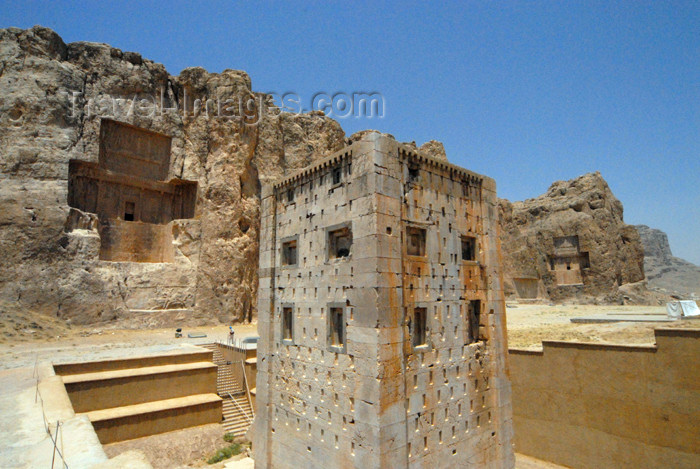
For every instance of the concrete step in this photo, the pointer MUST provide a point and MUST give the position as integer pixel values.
(135, 421)
(218, 356)
(237, 418)
(237, 431)
(190, 354)
(241, 425)
(233, 388)
(226, 378)
(240, 403)
(125, 387)
(226, 382)
(232, 416)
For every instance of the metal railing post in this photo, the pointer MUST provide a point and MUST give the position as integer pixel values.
(247, 389)
(55, 441)
(245, 414)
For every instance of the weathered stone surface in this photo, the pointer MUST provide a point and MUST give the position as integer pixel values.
(635, 404)
(381, 316)
(533, 231)
(431, 148)
(655, 243)
(54, 96)
(434, 149)
(664, 271)
(228, 139)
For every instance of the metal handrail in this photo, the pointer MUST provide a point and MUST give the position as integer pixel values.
(245, 414)
(244, 383)
(247, 389)
(237, 344)
(60, 453)
(47, 425)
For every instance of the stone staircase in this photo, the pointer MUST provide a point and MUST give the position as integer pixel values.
(237, 418)
(238, 414)
(226, 382)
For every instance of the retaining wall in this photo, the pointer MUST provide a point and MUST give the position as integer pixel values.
(594, 405)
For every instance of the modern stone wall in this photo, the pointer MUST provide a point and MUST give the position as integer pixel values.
(593, 405)
(377, 398)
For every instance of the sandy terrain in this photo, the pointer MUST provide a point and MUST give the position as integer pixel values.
(85, 344)
(528, 325)
(184, 448)
(190, 447)
(26, 339)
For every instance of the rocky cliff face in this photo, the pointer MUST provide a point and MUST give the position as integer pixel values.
(225, 137)
(571, 242)
(666, 273)
(655, 244)
(229, 140)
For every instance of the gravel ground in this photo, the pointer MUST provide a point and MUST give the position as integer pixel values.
(86, 344)
(528, 325)
(28, 339)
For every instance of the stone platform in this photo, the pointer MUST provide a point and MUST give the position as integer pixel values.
(141, 396)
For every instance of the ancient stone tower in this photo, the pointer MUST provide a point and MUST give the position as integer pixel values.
(381, 316)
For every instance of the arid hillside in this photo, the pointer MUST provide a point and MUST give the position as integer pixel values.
(93, 137)
(54, 102)
(570, 243)
(665, 272)
(131, 195)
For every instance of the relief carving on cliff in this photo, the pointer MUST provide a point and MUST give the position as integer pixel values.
(128, 192)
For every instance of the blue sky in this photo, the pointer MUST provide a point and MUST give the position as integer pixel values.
(525, 92)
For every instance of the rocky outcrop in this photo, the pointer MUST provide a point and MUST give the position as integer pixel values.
(435, 149)
(225, 137)
(666, 273)
(570, 243)
(431, 148)
(229, 140)
(655, 243)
